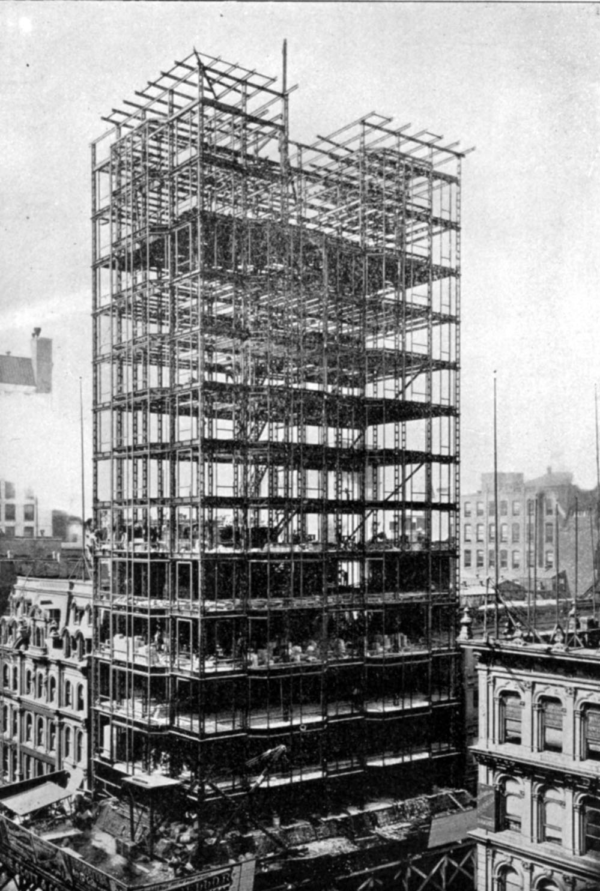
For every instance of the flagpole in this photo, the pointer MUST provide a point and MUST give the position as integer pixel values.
(556, 561)
(82, 467)
(496, 551)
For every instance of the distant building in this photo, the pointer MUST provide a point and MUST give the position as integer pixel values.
(539, 759)
(20, 515)
(45, 642)
(28, 375)
(545, 525)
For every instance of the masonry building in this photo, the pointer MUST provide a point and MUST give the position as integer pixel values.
(45, 646)
(539, 753)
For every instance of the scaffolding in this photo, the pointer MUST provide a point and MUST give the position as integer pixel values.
(276, 395)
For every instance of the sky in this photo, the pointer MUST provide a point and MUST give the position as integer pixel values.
(519, 81)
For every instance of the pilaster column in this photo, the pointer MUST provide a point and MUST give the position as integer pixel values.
(526, 715)
(579, 752)
(569, 733)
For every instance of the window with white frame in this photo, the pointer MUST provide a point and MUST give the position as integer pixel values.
(509, 880)
(551, 725)
(591, 733)
(512, 806)
(511, 712)
(551, 817)
(590, 815)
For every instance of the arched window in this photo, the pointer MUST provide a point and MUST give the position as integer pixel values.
(67, 742)
(39, 685)
(52, 736)
(15, 678)
(28, 682)
(551, 725)
(80, 698)
(509, 880)
(591, 733)
(511, 806)
(548, 885)
(67, 645)
(68, 693)
(510, 718)
(552, 817)
(39, 736)
(28, 728)
(5, 719)
(591, 826)
(79, 748)
(52, 688)
(6, 676)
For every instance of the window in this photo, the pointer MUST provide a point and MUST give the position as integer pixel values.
(52, 736)
(551, 729)
(67, 741)
(516, 508)
(468, 532)
(549, 561)
(516, 559)
(28, 682)
(27, 531)
(492, 532)
(512, 806)
(79, 747)
(39, 736)
(480, 510)
(491, 558)
(9, 531)
(549, 508)
(467, 508)
(531, 558)
(480, 532)
(6, 676)
(68, 693)
(591, 734)
(29, 513)
(504, 508)
(467, 559)
(5, 720)
(52, 688)
(491, 508)
(591, 826)
(510, 718)
(509, 880)
(39, 685)
(80, 698)
(549, 533)
(10, 512)
(504, 532)
(551, 817)
(15, 678)
(28, 728)
(9, 490)
(503, 559)
(480, 562)
(516, 533)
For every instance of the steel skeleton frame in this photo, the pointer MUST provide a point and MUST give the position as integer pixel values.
(276, 449)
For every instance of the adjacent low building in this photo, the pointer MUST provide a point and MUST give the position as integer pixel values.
(539, 762)
(45, 642)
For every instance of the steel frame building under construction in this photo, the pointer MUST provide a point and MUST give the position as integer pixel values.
(276, 447)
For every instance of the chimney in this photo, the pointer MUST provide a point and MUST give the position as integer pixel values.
(41, 359)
